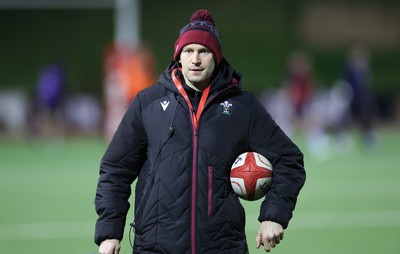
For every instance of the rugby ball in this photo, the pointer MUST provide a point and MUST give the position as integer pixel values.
(251, 176)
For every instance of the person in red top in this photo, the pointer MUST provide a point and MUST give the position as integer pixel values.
(300, 81)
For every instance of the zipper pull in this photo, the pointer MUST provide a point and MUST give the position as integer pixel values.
(171, 131)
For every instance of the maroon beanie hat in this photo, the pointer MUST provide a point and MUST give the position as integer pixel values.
(201, 30)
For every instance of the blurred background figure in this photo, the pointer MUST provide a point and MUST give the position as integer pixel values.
(300, 82)
(127, 71)
(359, 77)
(289, 104)
(327, 120)
(129, 65)
(47, 118)
(13, 112)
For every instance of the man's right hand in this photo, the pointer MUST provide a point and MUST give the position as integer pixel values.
(110, 246)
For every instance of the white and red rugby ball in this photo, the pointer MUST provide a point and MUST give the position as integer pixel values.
(251, 176)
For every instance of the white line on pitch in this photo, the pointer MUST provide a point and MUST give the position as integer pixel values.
(37, 231)
(334, 220)
(301, 221)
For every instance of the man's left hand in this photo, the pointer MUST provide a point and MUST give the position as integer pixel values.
(269, 235)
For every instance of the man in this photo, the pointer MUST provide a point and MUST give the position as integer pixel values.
(358, 75)
(179, 139)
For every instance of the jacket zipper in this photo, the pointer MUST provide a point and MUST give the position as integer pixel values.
(209, 191)
(194, 180)
(195, 119)
(195, 125)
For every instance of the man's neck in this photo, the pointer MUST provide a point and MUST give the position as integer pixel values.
(199, 87)
(193, 87)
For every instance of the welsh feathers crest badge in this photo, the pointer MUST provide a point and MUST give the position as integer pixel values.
(226, 107)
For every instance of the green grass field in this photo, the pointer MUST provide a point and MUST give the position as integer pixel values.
(350, 203)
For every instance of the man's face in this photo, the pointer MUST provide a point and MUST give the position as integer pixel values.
(197, 65)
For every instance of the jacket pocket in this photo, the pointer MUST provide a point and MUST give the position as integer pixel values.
(209, 191)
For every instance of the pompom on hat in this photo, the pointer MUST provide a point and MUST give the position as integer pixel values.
(201, 30)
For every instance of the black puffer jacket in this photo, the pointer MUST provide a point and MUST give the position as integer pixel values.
(184, 202)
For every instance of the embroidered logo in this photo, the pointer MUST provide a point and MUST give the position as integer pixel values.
(226, 107)
(164, 104)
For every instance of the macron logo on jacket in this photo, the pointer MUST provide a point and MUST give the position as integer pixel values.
(164, 104)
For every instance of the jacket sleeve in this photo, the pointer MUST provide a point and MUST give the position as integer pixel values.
(119, 167)
(289, 175)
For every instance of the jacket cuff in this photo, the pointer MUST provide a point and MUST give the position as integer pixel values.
(276, 214)
(108, 230)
